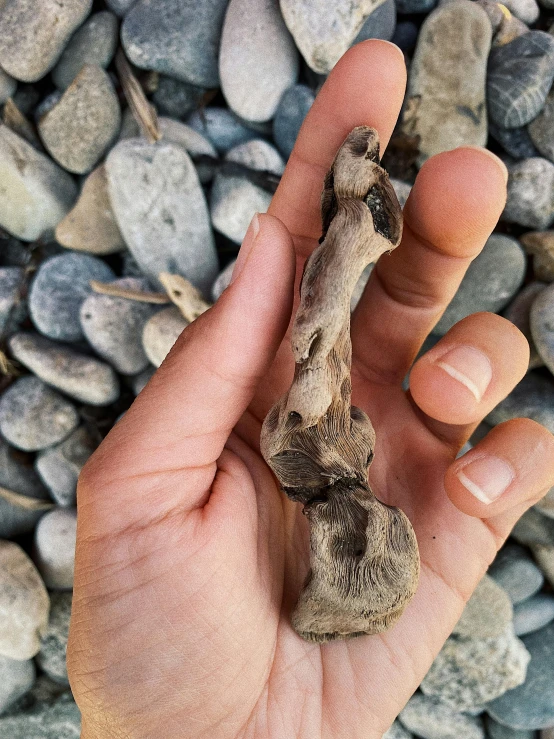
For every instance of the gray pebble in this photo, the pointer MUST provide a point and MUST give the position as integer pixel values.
(526, 10)
(54, 548)
(397, 731)
(289, 116)
(36, 194)
(491, 281)
(546, 504)
(540, 244)
(176, 98)
(541, 129)
(487, 613)
(430, 718)
(24, 604)
(405, 35)
(415, 6)
(544, 556)
(113, 326)
(58, 290)
(498, 731)
(80, 128)
(94, 43)
(11, 308)
(60, 466)
(519, 77)
(532, 397)
(139, 382)
(53, 647)
(45, 720)
(47, 104)
(533, 614)
(515, 141)
(120, 7)
(8, 86)
(518, 313)
(16, 679)
(221, 127)
(379, 24)
(542, 324)
(82, 377)
(33, 35)
(33, 416)
(161, 332)
(534, 528)
(179, 38)
(18, 476)
(514, 570)
(531, 193)
(223, 281)
(198, 146)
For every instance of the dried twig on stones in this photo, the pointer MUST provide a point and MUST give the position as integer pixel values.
(116, 291)
(144, 113)
(186, 297)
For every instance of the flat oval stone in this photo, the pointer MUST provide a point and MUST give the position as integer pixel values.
(200, 148)
(518, 314)
(491, 281)
(446, 104)
(379, 24)
(113, 326)
(161, 332)
(16, 679)
(497, 731)
(120, 7)
(53, 647)
(80, 128)
(36, 193)
(54, 547)
(487, 613)
(33, 35)
(531, 705)
(530, 193)
(526, 10)
(221, 127)
(94, 43)
(540, 244)
(515, 141)
(544, 556)
(289, 116)
(542, 324)
(60, 466)
(18, 474)
(24, 603)
(430, 718)
(161, 210)
(532, 397)
(82, 377)
(60, 286)
(176, 98)
(514, 570)
(519, 77)
(33, 416)
(179, 38)
(533, 614)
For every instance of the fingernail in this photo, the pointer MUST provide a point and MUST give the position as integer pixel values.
(497, 160)
(486, 478)
(468, 365)
(246, 248)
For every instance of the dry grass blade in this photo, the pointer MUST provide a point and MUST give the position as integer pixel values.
(116, 291)
(23, 501)
(144, 113)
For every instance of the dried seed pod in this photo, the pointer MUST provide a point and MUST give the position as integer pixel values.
(363, 554)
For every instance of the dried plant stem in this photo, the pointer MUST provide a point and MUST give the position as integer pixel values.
(116, 291)
(144, 113)
(186, 297)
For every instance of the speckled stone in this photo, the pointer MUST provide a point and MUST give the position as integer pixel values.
(179, 38)
(518, 314)
(36, 194)
(54, 548)
(514, 570)
(533, 614)
(397, 731)
(58, 290)
(221, 127)
(531, 193)
(289, 116)
(16, 679)
(176, 98)
(433, 719)
(532, 397)
(161, 332)
(59, 466)
(53, 647)
(379, 24)
(8, 86)
(33, 35)
(79, 129)
(515, 141)
(540, 244)
(223, 281)
(44, 720)
(541, 129)
(487, 613)
(542, 324)
(24, 604)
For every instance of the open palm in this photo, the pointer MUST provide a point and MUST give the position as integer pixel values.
(190, 559)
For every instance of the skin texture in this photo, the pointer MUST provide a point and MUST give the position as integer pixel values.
(189, 559)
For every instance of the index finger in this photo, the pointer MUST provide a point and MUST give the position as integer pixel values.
(366, 87)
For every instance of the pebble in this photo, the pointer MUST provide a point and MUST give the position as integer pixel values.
(221, 127)
(405, 35)
(19, 476)
(534, 528)
(289, 116)
(80, 128)
(59, 466)
(33, 416)
(533, 614)
(24, 604)
(33, 35)
(446, 104)
(120, 7)
(161, 332)
(197, 145)
(51, 657)
(82, 377)
(491, 281)
(531, 705)
(402, 190)
(175, 98)
(54, 547)
(541, 129)
(8, 86)
(16, 679)
(223, 281)
(498, 731)
(541, 245)
(234, 199)
(179, 38)
(258, 60)
(36, 194)
(45, 720)
(487, 613)
(432, 719)
(113, 326)
(545, 558)
(526, 10)
(532, 397)
(379, 24)
(58, 290)
(139, 382)
(531, 193)
(11, 281)
(91, 225)
(519, 77)
(161, 210)
(468, 672)
(514, 570)
(542, 324)
(94, 43)
(518, 314)
(397, 731)
(415, 6)
(546, 504)
(515, 141)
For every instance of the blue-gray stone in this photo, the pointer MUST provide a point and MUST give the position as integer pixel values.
(53, 646)
(405, 35)
(519, 77)
(533, 614)
(515, 141)
(541, 320)
(518, 314)
(530, 193)
(533, 528)
(532, 397)
(430, 718)
(292, 109)
(176, 98)
(498, 731)
(397, 731)
(415, 6)
(60, 466)
(60, 286)
(221, 127)
(17, 474)
(44, 720)
(379, 24)
(16, 679)
(531, 705)
(514, 570)
(526, 10)
(11, 280)
(541, 129)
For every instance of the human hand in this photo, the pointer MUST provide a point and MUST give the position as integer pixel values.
(189, 558)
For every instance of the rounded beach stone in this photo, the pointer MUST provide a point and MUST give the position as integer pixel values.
(179, 38)
(546, 504)
(113, 326)
(33, 35)
(82, 377)
(397, 731)
(54, 547)
(45, 719)
(223, 281)
(120, 7)
(60, 286)
(514, 570)
(531, 193)
(544, 556)
(197, 145)
(534, 528)
(498, 731)
(53, 647)
(174, 236)
(430, 718)
(139, 382)
(379, 24)
(487, 613)
(491, 281)
(526, 10)
(221, 127)
(541, 129)
(518, 313)
(533, 614)
(11, 280)
(176, 98)
(60, 466)
(515, 141)
(16, 678)
(415, 6)
(541, 245)
(161, 332)
(33, 416)
(532, 397)
(94, 43)
(531, 705)
(35, 194)
(8, 86)
(258, 60)
(289, 116)
(405, 35)
(79, 129)
(24, 603)
(18, 474)
(542, 324)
